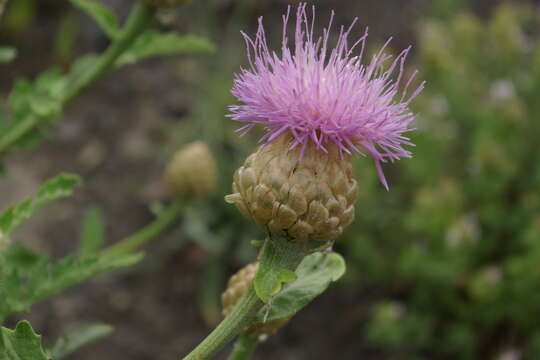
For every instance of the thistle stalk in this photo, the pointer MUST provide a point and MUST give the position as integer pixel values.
(281, 255)
(132, 242)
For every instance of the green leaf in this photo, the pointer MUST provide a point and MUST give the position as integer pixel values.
(21, 344)
(19, 97)
(43, 98)
(153, 43)
(56, 188)
(32, 105)
(83, 336)
(7, 54)
(103, 16)
(71, 271)
(92, 233)
(271, 274)
(314, 275)
(27, 277)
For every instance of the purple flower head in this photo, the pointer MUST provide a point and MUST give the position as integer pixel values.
(323, 94)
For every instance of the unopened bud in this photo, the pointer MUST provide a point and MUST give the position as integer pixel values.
(236, 287)
(165, 3)
(300, 196)
(192, 171)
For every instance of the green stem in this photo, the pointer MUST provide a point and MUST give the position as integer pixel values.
(244, 346)
(232, 325)
(140, 17)
(245, 311)
(142, 236)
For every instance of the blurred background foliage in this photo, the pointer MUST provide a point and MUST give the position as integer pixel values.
(444, 266)
(454, 249)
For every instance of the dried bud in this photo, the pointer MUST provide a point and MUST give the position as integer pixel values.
(165, 3)
(297, 195)
(192, 171)
(236, 287)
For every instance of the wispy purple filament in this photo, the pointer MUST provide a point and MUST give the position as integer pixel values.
(323, 94)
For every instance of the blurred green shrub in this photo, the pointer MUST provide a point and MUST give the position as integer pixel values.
(454, 248)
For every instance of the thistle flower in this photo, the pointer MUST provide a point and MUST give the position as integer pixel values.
(318, 105)
(326, 95)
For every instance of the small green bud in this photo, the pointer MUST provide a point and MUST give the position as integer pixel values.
(165, 3)
(192, 171)
(236, 287)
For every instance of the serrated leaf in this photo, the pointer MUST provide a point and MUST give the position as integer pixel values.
(92, 233)
(7, 54)
(43, 98)
(153, 43)
(104, 17)
(314, 275)
(21, 344)
(71, 271)
(56, 188)
(83, 336)
(27, 277)
(31, 106)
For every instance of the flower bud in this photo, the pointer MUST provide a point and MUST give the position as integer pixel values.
(236, 287)
(165, 3)
(300, 194)
(192, 171)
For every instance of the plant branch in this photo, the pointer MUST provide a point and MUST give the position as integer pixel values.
(144, 235)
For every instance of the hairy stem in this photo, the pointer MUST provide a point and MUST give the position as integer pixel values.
(232, 325)
(244, 346)
(132, 242)
(140, 17)
(284, 255)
